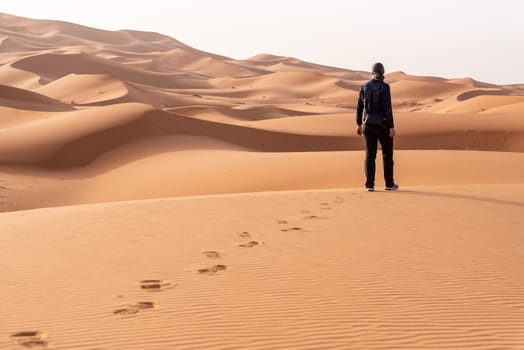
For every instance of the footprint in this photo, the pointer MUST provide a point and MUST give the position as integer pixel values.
(134, 308)
(126, 311)
(243, 234)
(292, 229)
(305, 212)
(30, 339)
(213, 269)
(156, 285)
(142, 305)
(339, 200)
(248, 244)
(314, 217)
(325, 206)
(25, 334)
(283, 222)
(212, 254)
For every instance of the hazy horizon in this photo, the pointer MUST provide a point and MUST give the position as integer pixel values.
(442, 38)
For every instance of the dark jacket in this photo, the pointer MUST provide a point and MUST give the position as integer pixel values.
(374, 101)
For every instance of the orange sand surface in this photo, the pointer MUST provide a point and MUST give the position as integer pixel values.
(424, 268)
(155, 196)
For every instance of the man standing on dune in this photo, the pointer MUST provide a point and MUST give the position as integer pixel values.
(374, 102)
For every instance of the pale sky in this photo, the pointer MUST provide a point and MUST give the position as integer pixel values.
(450, 38)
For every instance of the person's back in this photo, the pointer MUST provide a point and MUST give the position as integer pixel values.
(377, 104)
(375, 112)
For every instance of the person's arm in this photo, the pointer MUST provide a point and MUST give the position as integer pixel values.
(388, 110)
(360, 111)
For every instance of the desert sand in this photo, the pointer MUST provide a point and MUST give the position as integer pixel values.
(155, 196)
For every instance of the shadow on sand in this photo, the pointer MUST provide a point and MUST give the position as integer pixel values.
(463, 196)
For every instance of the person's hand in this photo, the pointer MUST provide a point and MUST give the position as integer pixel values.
(359, 130)
(392, 132)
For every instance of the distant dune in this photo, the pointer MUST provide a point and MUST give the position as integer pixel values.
(199, 149)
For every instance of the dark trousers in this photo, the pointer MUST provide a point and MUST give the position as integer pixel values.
(373, 135)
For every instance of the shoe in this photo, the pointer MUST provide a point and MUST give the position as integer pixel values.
(370, 189)
(394, 187)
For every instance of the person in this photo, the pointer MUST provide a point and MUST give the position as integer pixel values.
(375, 122)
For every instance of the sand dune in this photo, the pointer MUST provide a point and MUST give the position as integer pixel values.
(77, 138)
(423, 90)
(482, 103)
(84, 89)
(18, 78)
(204, 63)
(241, 222)
(132, 172)
(511, 109)
(238, 113)
(55, 66)
(472, 82)
(298, 272)
(13, 97)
